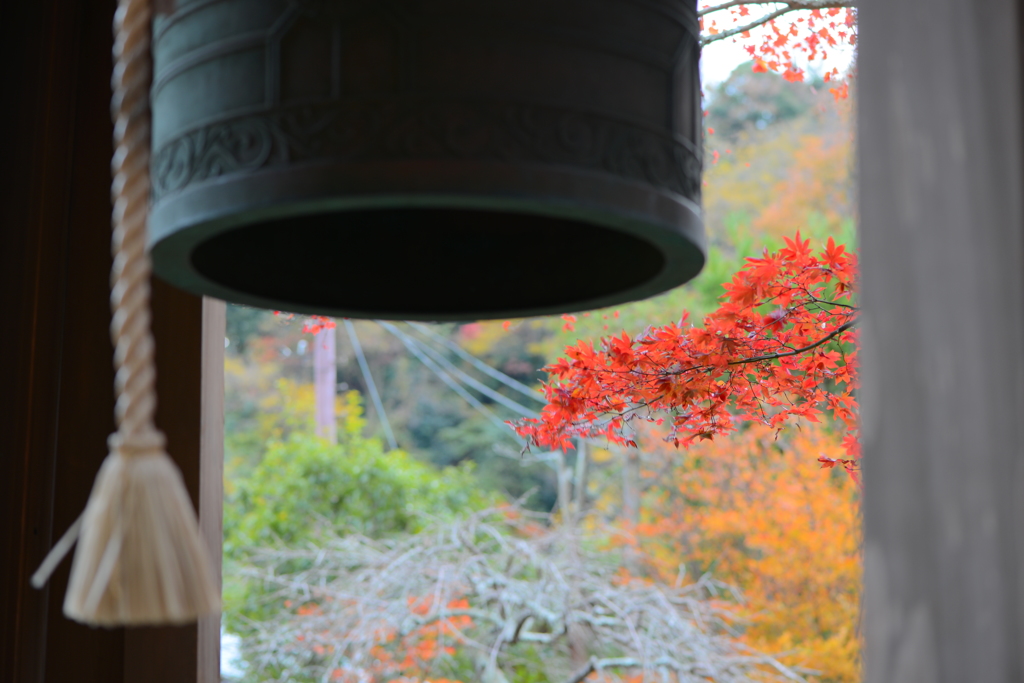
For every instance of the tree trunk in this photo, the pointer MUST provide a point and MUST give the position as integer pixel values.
(580, 480)
(631, 486)
(564, 504)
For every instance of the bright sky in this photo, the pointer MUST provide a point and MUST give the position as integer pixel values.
(720, 58)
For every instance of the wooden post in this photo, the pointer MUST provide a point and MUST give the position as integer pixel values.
(943, 363)
(189, 335)
(211, 474)
(325, 383)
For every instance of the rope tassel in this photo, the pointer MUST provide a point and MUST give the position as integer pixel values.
(140, 557)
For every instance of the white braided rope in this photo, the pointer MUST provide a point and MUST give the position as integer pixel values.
(129, 279)
(140, 557)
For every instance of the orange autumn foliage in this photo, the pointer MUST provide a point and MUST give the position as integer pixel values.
(817, 188)
(409, 659)
(758, 513)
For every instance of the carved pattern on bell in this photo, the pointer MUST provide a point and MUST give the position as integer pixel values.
(376, 132)
(441, 132)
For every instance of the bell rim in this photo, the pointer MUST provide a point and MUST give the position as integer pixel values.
(175, 234)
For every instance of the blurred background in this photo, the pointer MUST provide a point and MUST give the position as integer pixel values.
(420, 441)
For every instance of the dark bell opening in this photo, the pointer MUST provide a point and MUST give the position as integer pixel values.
(448, 263)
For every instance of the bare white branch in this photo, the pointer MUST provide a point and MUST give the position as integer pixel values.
(499, 581)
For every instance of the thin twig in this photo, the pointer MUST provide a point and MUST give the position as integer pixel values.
(362, 590)
(795, 6)
(775, 356)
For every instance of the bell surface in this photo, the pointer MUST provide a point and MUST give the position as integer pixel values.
(426, 159)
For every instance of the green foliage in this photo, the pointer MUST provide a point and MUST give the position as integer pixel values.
(497, 461)
(353, 487)
(269, 397)
(304, 486)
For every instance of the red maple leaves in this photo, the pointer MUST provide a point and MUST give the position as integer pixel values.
(775, 35)
(314, 324)
(782, 345)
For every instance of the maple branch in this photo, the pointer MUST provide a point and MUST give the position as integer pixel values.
(829, 303)
(760, 402)
(706, 40)
(753, 359)
(770, 356)
(783, 354)
(792, 6)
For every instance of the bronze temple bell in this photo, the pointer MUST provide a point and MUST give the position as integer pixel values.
(427, 159)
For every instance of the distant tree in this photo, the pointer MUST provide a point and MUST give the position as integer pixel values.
(502, 596)
(749, 100)
(755, 511)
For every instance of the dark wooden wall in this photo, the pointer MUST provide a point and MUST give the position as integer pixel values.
(56, 377)
(942, 230)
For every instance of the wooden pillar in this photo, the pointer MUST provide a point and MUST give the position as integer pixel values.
(56, 372)
(943, 335)
(189, 334)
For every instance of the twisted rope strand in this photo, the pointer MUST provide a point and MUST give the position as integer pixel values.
(135, 380)
(140, 557)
